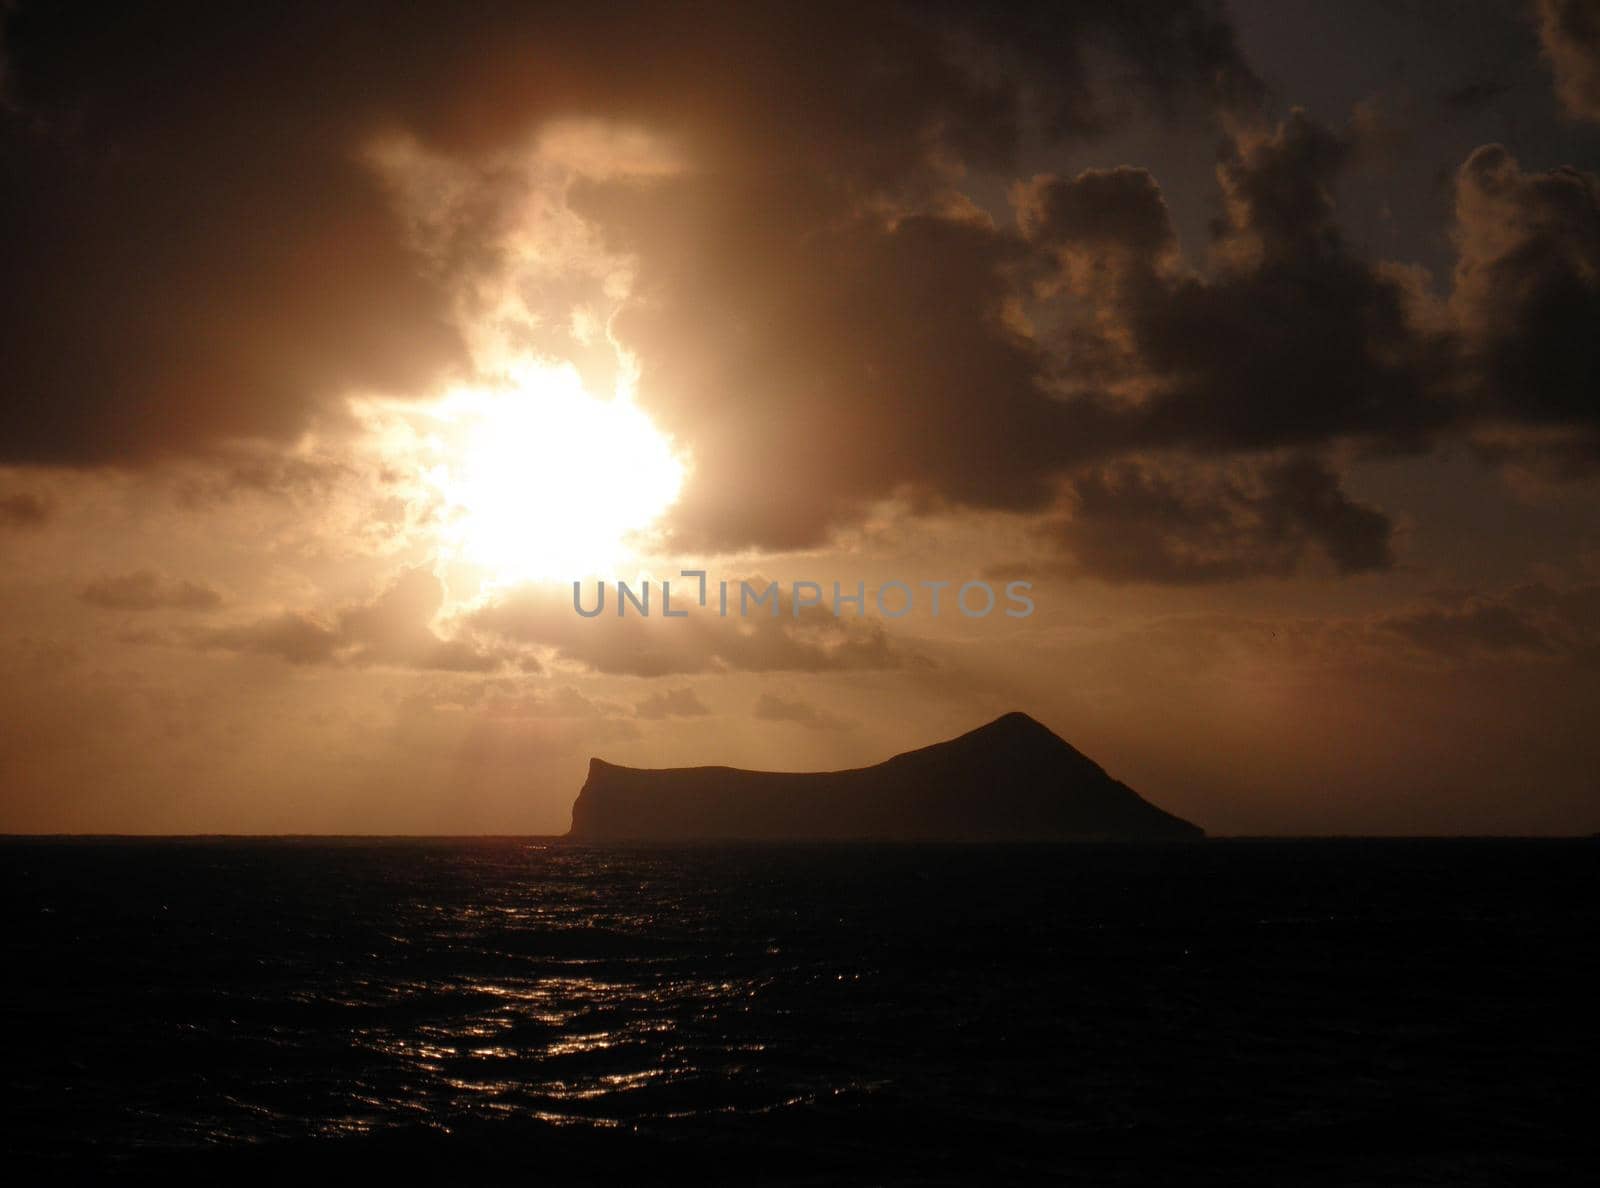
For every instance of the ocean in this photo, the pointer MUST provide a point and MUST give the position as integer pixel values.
(528, 1011)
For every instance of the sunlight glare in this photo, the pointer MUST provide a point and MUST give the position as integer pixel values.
(546, 482)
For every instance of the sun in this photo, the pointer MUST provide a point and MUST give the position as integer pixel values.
(544, 481)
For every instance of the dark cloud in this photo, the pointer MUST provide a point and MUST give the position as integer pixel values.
(23, 509)
(146, 589)
(1480, 626)
(936, 354)
(672, 703)
(816, 641)
(1526, 299)
(295, 636)
(230, 473)
(393, 629)
(197, 250)
(1570, 32)
(1169, 50)
(1116, 217)
(1182, 523)
(1534, 459)
(1290, 339)
(202, 253)
(817, 360)
(819, 355)
(192, 251)
(1480, 92)
(771, 708)
(1537, 621)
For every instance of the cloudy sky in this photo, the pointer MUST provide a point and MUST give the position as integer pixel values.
(1261, 338)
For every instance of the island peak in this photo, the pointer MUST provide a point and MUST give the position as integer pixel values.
(1012, 779)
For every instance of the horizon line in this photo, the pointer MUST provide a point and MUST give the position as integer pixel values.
(563, 837)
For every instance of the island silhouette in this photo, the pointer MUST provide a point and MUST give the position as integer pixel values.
(1011, 780)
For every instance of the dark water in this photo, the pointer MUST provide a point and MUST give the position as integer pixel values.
(528, 1012)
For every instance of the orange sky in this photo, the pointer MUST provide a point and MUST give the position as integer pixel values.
(1260, 338)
